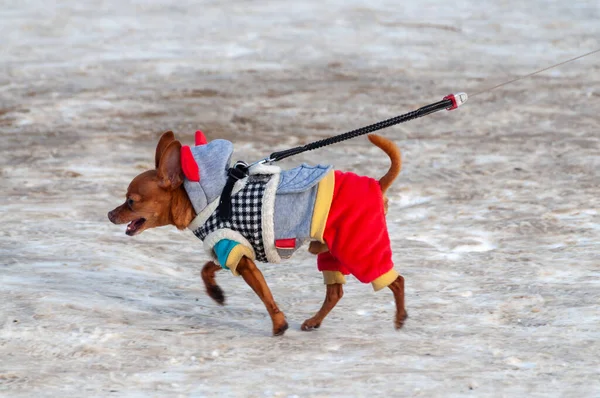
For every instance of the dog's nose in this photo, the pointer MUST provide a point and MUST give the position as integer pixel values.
(111, 216)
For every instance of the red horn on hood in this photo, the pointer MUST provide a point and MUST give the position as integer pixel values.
(188, 164)
(200, 138)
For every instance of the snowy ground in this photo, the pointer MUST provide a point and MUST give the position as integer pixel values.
(494, 220)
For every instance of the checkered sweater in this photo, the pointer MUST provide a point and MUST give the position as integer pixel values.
(246, 216)
(272, 210)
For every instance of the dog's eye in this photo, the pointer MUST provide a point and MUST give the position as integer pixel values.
(130, 203)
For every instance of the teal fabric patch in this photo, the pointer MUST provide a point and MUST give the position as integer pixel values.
(222, 250)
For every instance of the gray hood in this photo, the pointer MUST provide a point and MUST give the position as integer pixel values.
(213, 162)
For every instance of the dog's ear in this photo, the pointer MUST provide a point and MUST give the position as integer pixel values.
(163, 143)
(170, 175)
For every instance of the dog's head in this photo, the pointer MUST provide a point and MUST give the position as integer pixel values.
(151, 195)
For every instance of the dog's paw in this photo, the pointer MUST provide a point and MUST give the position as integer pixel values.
(216, 293)
(310, 324)
(400, 318)
(280, 330)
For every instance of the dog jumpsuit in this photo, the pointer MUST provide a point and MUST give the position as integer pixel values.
(275, 212)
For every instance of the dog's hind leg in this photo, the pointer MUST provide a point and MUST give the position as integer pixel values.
(316, 247)
(255, 279)
(334, 293)
(397, 287)
(213, 290)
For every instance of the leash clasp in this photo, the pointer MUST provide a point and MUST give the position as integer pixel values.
(457, 100)
(268, 160)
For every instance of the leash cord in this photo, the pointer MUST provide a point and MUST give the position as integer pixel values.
(423, 111)
(426, 110)
(241, 169)
(533, 73)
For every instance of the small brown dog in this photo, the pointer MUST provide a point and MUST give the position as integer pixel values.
(162, 197)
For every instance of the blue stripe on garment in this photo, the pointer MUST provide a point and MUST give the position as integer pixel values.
(222, 249)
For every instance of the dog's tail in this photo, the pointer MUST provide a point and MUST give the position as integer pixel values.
(393, 152)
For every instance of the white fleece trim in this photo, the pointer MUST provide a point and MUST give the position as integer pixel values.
(268, 219)
(224, 233)
(201, 218)
(265, 169)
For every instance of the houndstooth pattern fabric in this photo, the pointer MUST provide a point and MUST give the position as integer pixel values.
(246, 215)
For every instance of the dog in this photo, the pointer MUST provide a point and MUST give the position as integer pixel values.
(274, 213)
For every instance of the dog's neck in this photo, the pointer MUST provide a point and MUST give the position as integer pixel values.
(182, 211)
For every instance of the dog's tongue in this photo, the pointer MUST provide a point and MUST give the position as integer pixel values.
(133, 226)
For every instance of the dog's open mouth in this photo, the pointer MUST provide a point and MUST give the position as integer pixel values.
(134, 226)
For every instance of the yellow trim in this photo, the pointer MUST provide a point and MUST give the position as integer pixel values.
(331, 277)
(235, 255)
(385, 280)
(322, 206)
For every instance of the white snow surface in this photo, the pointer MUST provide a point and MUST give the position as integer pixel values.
(494, 220)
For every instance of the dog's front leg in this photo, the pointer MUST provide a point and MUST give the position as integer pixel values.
(334, 293)
(213, 290)
(255, 279)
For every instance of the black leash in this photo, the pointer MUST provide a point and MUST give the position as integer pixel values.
(241, 170)
(449, 102)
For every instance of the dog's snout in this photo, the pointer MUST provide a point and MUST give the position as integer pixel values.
(111, 216)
